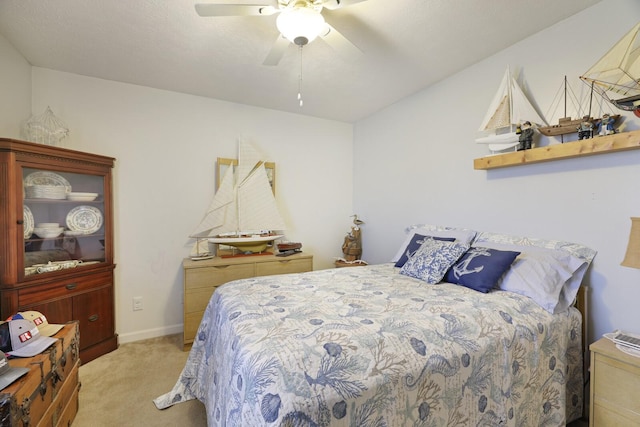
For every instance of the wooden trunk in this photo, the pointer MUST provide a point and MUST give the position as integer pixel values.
(48, 394)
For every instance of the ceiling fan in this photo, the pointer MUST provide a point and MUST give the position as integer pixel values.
(299, 22)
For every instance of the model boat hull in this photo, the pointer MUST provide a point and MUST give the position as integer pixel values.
(566, 126)
(631, 103)
(254, 244)
(503, 138)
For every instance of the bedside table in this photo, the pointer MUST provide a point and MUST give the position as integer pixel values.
(615, 386)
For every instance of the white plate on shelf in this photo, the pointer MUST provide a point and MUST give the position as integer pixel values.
(72, 233)
(84, 218)
(82, 197)
(28, 222)
(46, 178)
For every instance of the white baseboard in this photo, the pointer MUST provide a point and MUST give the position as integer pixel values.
(150, 333)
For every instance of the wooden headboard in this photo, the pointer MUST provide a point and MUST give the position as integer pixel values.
(582, 304)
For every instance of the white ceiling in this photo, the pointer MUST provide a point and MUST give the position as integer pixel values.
(407, 45)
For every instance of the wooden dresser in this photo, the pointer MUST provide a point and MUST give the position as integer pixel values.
(615, 386)
(201, 278)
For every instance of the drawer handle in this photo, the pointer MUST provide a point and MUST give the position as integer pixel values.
(71, 286)
(222, 266)
(93, 318)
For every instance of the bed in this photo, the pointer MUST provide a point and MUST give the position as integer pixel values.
(413, 342)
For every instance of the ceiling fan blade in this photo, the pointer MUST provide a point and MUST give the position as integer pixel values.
(340, 43)
(234, 9)
(277, 51)
(338, 4)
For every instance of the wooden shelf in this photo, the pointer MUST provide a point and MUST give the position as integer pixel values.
(586, 147)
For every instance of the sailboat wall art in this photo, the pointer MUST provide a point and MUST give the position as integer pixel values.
(616, 76)
(243, 213)
(508, 110)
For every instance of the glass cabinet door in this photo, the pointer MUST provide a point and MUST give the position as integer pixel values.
(63, 220)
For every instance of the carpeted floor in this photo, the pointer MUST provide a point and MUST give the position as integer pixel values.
(118, 388)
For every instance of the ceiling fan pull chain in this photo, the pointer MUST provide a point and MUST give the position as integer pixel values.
(300, 80)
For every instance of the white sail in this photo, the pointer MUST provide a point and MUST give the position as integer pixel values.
(256, 205)
(244, 205)
(221, 216)
(618, 71)
(499, 113)
(248, 159)
(509, 108)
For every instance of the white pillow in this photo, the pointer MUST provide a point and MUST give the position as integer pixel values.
(561, 256)
(550, 278)
(462, 235)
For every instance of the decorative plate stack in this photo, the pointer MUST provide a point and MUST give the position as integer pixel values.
(46, 185)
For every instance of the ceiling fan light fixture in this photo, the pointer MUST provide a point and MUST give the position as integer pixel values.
(300, 25)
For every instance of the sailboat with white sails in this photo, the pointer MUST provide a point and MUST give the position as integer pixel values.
(617, 73)
(243, 213)
(508, 109)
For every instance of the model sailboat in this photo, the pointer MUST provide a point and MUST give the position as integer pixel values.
(508, 109)
(568, 125)
(617, 73)
(243, 213)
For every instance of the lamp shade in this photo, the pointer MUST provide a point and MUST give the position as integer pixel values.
(632, 257)
(300, 25)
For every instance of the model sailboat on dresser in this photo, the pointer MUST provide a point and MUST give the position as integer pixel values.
(243, 213)
(508, 110)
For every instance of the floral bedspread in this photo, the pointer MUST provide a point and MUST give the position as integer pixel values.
(366, 346)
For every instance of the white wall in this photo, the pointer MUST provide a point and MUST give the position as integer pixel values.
(414, 164)
(165, 145)
(15, 89)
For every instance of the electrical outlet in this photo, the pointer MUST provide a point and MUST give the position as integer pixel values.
(137, 303)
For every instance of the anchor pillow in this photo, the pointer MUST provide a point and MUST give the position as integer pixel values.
(480, 268)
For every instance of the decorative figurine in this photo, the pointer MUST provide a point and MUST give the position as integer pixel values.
(526, 136)
(352, 246)
(605, 126)
(585, 129)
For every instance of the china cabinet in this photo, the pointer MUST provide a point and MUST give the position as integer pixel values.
(56, 239)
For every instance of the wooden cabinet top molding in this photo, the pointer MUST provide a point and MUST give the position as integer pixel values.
(32, 149)
(587, 147)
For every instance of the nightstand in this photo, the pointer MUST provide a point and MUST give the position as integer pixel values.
(615, 386)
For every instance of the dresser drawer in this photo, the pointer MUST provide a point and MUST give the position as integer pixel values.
(617, 389)
(196, 299)
(63, 288)
(191, 324)
(284, 266)
(615, 386)
(207, 277)
(602, 416)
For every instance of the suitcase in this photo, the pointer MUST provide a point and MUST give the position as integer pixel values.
(48, 394)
